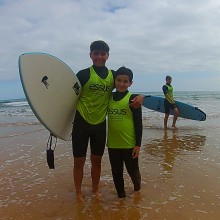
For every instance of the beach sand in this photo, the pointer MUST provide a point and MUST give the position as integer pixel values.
(180, 177)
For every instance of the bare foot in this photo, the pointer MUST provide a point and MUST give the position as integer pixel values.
(79, 197)
(136, 193)
(97, 195)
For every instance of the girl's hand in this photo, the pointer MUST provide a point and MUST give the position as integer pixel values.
(136, 152)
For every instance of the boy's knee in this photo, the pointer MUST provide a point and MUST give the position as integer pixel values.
(79, 163)
(96, 160)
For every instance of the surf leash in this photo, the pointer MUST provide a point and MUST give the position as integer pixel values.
(50, 152)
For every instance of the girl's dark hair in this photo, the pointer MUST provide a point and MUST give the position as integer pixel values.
(124, 71)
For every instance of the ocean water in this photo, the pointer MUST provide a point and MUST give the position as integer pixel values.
(16, 117)
(17, 112)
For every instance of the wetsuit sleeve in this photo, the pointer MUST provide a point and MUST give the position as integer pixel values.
(113, 73)
(165, 89)
(83, 76)
(114, 76)
(138, 126)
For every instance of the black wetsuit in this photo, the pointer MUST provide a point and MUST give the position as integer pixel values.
(120, 156)
(83, 132)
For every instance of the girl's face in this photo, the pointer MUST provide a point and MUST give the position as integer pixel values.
(122, 83)
(99, 57)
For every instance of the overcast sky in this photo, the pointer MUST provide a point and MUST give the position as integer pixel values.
(153, 38)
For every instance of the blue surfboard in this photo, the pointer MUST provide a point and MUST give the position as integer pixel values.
(187, 111)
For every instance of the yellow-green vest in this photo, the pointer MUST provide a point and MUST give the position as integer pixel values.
(170, 91)
(94, 98)
(121, 133)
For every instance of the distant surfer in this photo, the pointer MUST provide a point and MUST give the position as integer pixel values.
(169, 102)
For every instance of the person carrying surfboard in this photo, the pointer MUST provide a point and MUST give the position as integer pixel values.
(89, 124)
(124, 133)
(169, 102)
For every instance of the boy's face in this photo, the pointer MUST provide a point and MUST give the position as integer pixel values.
(99, 57)
(168, 81)
(122, 83)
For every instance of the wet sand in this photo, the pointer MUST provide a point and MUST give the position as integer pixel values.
(180, 177)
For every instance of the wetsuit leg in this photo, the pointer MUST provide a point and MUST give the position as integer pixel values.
(132, 168)
(167, 106)
(80, 136)
(117, 163)
(98, 138)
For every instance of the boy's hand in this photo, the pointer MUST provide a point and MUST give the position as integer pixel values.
(137, 101)
(136, 152)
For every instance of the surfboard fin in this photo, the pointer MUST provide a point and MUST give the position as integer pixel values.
(50, 152)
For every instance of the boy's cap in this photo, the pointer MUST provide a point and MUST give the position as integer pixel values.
(124, 71)
(99, 45)
(168, 77)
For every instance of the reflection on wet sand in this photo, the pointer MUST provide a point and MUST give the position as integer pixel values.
(173, 144)
(104, 209)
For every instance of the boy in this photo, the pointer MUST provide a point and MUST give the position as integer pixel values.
(169, 102)
(97, 84)
(124, 133)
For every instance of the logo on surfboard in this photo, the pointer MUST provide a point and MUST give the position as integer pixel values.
(76, 88)
(44, 81)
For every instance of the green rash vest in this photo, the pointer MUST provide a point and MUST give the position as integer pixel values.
(93, 102)
(170, 91)
(121, 133)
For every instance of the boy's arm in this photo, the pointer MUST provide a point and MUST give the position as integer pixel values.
(114, 76)
(83, 76)
(138, 127)
(169, 98)
(165, 91)
(137, 101)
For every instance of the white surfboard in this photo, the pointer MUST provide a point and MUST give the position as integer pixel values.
(52, 91)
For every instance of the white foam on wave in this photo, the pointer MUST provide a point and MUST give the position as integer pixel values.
(16, 104)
